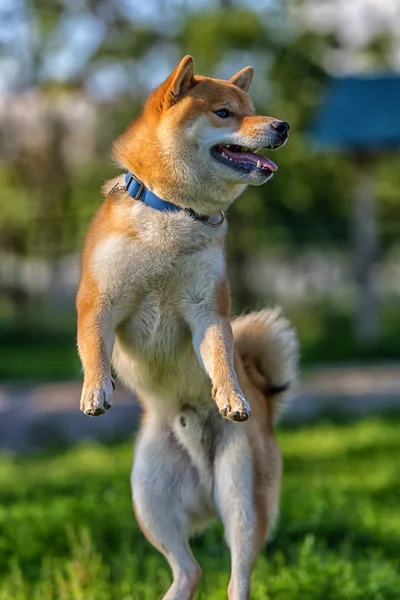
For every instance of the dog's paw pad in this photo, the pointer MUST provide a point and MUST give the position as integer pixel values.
(235, 409)
(96, 401)
(238, 415)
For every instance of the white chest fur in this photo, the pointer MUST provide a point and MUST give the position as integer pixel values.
(164, 278)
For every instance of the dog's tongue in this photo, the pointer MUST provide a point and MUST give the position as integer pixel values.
(250, 157)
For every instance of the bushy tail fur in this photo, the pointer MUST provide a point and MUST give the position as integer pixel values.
(268, 347)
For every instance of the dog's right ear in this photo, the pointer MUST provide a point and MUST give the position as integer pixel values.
(243, 78)
(181, 79)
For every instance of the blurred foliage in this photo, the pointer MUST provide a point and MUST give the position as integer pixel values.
(45, 349)
(67, 530)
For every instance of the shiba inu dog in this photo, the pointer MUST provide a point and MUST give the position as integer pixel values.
(154, 301)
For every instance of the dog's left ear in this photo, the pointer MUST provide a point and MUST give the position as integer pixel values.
(242, 79)
(182, 78)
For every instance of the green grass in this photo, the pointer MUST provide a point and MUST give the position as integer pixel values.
(67, 530)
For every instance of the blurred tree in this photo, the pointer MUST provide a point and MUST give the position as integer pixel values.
(43, 163)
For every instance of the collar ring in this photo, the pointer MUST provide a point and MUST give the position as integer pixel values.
(222, 219)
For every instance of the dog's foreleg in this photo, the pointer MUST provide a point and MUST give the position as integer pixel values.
(207, 315)
(213, 343)
(95, 345)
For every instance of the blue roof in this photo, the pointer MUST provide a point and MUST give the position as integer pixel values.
(360, 113)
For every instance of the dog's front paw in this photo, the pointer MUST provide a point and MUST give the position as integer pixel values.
(95, 400)
(232, 405)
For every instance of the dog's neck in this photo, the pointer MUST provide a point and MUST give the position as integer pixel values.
(171, 178)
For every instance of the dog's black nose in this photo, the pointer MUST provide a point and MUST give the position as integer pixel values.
(282, 127)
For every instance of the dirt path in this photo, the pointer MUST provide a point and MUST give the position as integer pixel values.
(41, 416)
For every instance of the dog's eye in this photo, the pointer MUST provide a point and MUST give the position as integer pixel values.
(223, 113)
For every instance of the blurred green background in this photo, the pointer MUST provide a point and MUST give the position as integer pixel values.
(73, 75)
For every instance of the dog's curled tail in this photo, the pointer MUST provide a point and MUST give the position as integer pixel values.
(268, 346)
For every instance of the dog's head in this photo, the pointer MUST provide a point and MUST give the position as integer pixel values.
(197, 140)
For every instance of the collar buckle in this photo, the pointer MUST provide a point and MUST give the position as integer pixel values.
(139, 192)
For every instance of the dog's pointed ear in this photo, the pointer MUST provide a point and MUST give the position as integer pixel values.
(182, 78)
(242, 79)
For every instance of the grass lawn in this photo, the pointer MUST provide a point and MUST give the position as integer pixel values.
(67, 530)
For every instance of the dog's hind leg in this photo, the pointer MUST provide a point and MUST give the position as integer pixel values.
(163, 481)
(242, 503)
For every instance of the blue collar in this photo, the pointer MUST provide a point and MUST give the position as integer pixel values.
(138, 191)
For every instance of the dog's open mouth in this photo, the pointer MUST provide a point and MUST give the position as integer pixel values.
(243, 159)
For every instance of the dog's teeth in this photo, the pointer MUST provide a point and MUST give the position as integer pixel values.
(258, 164)
(225, 156)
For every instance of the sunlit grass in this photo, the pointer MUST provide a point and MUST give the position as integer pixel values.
(67, 530)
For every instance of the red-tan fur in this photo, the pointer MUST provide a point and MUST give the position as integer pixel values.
(154, 300)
